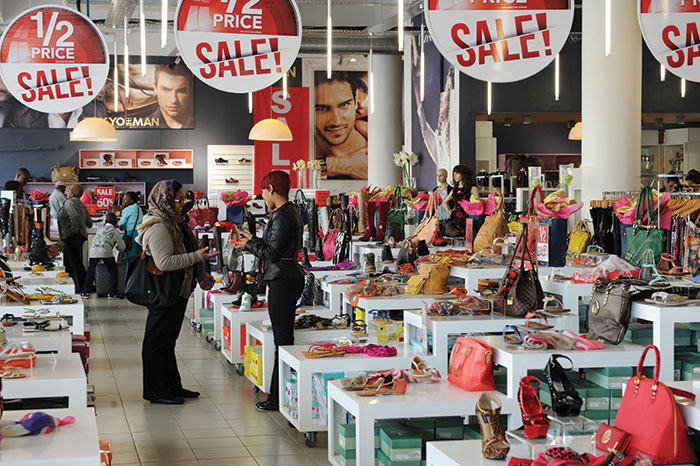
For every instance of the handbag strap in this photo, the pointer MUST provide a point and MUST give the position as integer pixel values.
(657, 369)
(500, 204)
(298, 198)
(135, 222)
(531, 207)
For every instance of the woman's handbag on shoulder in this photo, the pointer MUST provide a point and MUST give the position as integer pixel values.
(471, 365)
(150, 287)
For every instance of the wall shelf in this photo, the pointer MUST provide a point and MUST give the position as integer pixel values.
(136, 159)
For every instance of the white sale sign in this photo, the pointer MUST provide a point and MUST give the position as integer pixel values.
(53, 59)
(499, 41)
(238, 45)
(671, 31)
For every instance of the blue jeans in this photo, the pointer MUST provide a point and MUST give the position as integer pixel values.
(111, 265)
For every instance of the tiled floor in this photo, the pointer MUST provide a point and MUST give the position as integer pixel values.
(221, 427)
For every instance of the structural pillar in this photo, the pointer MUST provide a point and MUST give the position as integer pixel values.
(385, 125)
(611, 100)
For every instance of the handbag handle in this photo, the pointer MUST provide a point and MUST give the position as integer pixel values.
(531, 207)
(581, 226)
(657, 369)
(500, 205)
(296, 196)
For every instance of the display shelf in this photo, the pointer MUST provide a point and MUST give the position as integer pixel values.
(119, 186)
(234, 168)
(136, 159)
(76, 311)
(44, 342)
(333, 293)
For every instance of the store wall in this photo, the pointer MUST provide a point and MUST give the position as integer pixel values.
(537, 138)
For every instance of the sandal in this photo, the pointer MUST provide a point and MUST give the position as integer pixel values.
(419, 369)
(514, 338)
(395, 387)
(323, 350)
(9, 320)
(359, 328)
(350, 384)
(556, 310)
(551, 340)
(379, 316)
(667, 266)
(11, 373)
(536, 325)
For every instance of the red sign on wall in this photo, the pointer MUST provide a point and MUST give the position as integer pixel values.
(105, 197)
(294, 111)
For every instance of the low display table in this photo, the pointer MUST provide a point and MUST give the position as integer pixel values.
(75, 444)
(472, 275)
(571, 293)
(421, 400)
(44, 342)
(53, 376)
(396, 302)
(690, 409)
(333, 295)
(75, 310)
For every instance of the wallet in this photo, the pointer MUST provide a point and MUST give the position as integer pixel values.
(609, 438)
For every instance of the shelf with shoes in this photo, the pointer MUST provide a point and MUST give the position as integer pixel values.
(136, 159)
(74, 313)
(59, 342)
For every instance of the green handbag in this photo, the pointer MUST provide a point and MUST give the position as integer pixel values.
(644, 235)
(397, 218)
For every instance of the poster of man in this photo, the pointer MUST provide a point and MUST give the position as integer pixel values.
(341, 109)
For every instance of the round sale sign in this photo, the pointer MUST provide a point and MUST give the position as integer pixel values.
(499, 40)
(53, 59)
(670, 30)
(238, 45)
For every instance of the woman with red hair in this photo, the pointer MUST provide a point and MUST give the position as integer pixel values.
(278, 250)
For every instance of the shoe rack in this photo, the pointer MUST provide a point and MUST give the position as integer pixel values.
(218, 173)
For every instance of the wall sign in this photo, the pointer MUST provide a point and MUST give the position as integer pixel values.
(499, 41)
(671, 31)
(105, 197)
(238, 46)
(53, 59)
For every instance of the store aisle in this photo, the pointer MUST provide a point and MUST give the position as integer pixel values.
(222, 427)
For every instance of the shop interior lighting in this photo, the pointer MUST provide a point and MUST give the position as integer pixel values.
(422, 61)
(94, 130)
(126, 59)
(576, 133)
(527, 119)
(680, 119)
(329, 45)
(142, 32)
(400, 28)
(371, 83)
(488, 98)
(683, 88)
(270, 129)
(164, 24)
(115, 77)
(608, 27)
(508, 121)
(556, 78)
(250, 102)
(353, 59)
(662, 72)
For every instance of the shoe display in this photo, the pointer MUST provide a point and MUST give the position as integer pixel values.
(305, 263)
(494, 445)
(220, 161)
(387, 256)
(535, 421)
(231, 180)
(369, 260)
(565, 399)
(244, 160)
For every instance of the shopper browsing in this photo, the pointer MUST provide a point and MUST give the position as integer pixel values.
(130, 220)
(73, 222)
(107, 238)
(278, 249)
(57, 198)
(168, 240)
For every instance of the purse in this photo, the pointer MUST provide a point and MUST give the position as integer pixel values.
(610, 309)
(302, 205)
(202, 214)
(609, 438)
(520, 288)
(436, 274)
(532, 221)
(128, 238)
(578, 238)
(494, 226)
(341, 252)
(396, 218)
(64, 173)
(650, 415)
(414, 285)
(644, 235)
(147, 286)
(407, 254)
(471, 365)
(429, 224)
(329, 240)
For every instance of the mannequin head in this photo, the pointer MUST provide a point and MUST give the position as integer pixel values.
(441, 176)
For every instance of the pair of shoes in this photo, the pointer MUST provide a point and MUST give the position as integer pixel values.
(113, 296)
(244, 160)
(220, 160)
(85, 295)
(231, 180)
(267, 406)
(184, 393)
(169, 400)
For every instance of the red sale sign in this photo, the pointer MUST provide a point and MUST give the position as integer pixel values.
(294, 111)
(53, 59)
(238, 45)
(499, 40)
(671, 32)
(105, 197)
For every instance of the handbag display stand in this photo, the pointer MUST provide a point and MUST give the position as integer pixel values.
(561, 431)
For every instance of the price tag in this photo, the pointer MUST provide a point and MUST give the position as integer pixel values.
(105, 197)
(543, 243)
(53, 59)
(321, 197)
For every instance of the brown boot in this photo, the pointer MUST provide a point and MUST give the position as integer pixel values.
(369, 263)
(361, 212)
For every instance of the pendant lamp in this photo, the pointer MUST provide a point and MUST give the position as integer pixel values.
(94, 129)
(576, 132)
(270, 129)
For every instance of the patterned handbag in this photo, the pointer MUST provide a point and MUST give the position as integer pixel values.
(520, 288)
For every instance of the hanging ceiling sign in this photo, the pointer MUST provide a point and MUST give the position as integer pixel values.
(671, 31)
(499, 40)
(238, 45)
(53, 59)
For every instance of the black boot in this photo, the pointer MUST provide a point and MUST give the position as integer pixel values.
(319, 250)
(312, 215)
(204, 243)
(305, 262)
(387, 256)
(422, 249)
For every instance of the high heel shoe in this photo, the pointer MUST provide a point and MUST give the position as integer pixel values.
(494, 445)
(565, 399)
(535, 421)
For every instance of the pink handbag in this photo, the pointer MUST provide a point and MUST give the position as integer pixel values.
(429, 225)
(331, 237)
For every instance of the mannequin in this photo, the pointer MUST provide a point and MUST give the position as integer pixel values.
(443, 190)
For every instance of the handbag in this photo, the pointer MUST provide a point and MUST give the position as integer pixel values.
(532, 221)
(64, 173)
(407, 254)
(202, 214)
(341, 251)
(578, 238)
(302, 205)
(521, 289)
(644, 235)
(471, 365)
(436, 274)
(329, 240)
(650, 414)
(610, 309)
(148, 286)
(609, 438)
(414, 285)
(494, 226)
(429, 224)
(396, 218)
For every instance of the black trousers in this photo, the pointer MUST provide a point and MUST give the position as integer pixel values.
(160, 375)
(111, 265)
(282, 297)
(73, 259)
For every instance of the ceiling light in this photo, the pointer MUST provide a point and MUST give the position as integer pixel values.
(284, 86)
(527, 119)
(142, 31)
(115, 77)
(507, 121)
(683, 88)
(488, 98)
(662, 72)
(163, 24)
(608, 27)
(400, 28)
(422, 61)
(371, 83)
(250, 102)
(94, 130)
(576, 133)
(556, 77)
(270, 129)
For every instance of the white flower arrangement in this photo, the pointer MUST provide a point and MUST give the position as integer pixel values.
(299, 165)
(405, 160)
(313, 164)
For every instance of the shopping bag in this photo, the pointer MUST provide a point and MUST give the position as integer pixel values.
(551, 242)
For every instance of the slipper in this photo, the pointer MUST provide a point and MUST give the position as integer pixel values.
(552, 340)
(514, 338)
(585, 343)
(9, 320)
(536, 325)
(555, 310)
(395, 387)
(323, 350)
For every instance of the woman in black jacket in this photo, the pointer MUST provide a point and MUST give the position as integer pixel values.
(278, 249)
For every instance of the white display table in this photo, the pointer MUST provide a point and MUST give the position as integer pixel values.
(31, 286)
(571, 293)
(333, 294)
(421, 400)
(53, 376)
(75, 444)
(47, 342)
(396, 302)
(75, 310)
(690, 409)
(472, 275)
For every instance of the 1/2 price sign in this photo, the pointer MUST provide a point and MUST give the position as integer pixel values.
(53, 59)
(672, 33)
(238, 45)
(105, 197)
(499, 40)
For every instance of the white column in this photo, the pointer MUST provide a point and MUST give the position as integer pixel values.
(384, 134)
(611, 100)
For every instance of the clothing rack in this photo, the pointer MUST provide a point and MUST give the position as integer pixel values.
(610, 195)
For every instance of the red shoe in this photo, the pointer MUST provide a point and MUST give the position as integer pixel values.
(438, 240)
(370, 208)
(535, 421)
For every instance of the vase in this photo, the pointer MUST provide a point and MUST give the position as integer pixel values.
(316, 178)
(300, 179)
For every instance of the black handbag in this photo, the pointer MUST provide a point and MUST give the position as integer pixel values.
(343, 240)
(407, 254)
(396, 218)
(151, 289)
(520, 288)
(301, 204)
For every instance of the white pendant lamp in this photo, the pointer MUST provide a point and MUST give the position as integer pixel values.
(94, 130)
(576, 133)
(270, 129)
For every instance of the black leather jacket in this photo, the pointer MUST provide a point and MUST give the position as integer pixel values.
(280, 243)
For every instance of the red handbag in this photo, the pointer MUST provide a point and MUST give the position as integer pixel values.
(202, 214)
(649, 413)
(471, 365)
(532, 222)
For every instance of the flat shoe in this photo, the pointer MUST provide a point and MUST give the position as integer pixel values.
(266, 406)
(170, 400)
(184, 393)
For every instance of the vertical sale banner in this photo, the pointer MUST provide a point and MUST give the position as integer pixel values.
(238, 46)
(294, 111)
(672, 34)
(53, 59)
(499, 41)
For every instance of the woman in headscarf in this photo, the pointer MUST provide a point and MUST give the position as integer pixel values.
(165, 236)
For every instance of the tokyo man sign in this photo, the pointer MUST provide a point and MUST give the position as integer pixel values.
(672, 33)
(53, 59)
(238, 45)
(499, 40)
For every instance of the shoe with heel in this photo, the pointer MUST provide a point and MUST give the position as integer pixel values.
(535, 421)
(565, 399)
(494, 445)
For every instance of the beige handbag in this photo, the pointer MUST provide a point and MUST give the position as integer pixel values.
(64, 173)
(429, 225)
(436, 275)
(494, 226)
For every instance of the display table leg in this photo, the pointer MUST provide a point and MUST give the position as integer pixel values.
(514, 375)
(664, 340)
(364, 435)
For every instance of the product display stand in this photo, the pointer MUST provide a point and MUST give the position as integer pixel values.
(333, 294)
(472, 275)
(75, 444)
(396, 302)
(76, 311)
(421, 400)
(559, 434)
(44, 342)
(53, 376)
